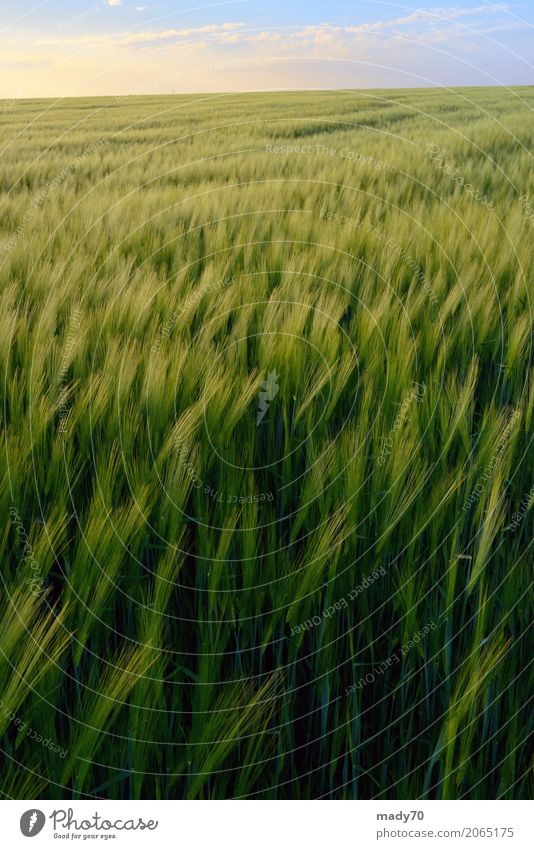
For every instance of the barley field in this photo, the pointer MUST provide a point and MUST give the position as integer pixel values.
(268, 398)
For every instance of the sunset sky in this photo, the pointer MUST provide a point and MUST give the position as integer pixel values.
(102, 47)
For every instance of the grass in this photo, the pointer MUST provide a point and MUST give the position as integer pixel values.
(188, 601)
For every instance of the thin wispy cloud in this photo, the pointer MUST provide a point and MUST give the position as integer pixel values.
(431, 25)
(430, 42)
(128, 38)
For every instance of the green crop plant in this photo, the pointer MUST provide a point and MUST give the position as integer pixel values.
(256, 349)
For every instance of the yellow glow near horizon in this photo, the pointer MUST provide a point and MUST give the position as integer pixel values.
(413, 50)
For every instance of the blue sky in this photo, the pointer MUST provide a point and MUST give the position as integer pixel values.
(89, 47)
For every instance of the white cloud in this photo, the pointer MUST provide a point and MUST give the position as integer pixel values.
(423, 46)
(438, 24)
(128, 38)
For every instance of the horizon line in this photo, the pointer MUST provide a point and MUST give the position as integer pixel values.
(269, 91)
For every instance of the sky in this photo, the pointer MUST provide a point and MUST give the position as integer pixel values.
(54, 48)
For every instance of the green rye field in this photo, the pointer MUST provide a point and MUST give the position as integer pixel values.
(268, 399)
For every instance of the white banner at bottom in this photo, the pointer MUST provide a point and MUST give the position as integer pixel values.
(268, 824)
